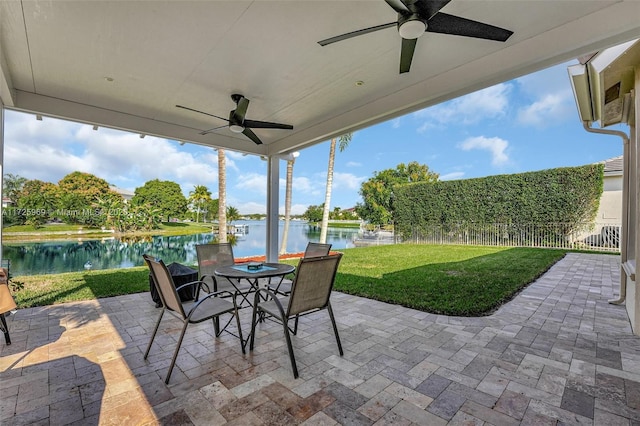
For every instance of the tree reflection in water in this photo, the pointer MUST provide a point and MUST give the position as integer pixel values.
(54, 257)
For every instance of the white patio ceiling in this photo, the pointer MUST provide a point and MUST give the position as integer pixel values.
(56, 58)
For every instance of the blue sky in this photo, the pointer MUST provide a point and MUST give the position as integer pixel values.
(526, 124)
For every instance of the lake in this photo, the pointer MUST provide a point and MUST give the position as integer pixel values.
(54, 257)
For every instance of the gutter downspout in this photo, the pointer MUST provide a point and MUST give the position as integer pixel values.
(625, 205)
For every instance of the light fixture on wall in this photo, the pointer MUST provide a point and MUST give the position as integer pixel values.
(142, 135)
(95, 127)
(38, 117)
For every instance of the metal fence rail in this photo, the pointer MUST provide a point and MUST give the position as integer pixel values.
(587, 236)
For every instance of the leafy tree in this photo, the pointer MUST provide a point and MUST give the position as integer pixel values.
(198, 198)
(377, 192)
(164, 196)
(313, 213)
(38, 202)
(335, 214)
(344, 142)
(12, 187)
(210, 210)
(81, 192)
(113, 211)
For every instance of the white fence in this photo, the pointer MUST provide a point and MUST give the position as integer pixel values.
(591, 236)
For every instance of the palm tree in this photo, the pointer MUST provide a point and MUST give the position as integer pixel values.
(344, 142)
(222, 197)
(287, 205)
(198, 197)
(232, 214)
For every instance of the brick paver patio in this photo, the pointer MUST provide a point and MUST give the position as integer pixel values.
(556, 354)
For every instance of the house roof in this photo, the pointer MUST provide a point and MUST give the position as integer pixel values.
(128, 64)
(613, 166)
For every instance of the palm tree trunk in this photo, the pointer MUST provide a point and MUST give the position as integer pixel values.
(287, 206)
(327, 195)
(222, 197)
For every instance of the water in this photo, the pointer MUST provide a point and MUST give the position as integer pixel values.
(54, 257)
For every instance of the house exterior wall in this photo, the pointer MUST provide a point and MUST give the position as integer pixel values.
(610, 210)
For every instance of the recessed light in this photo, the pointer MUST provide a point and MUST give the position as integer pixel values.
(109, 79)
(359, 83)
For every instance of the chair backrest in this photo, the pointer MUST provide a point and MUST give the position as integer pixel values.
(212, 256)
(164, 284)
(317, 249)
(313, 283)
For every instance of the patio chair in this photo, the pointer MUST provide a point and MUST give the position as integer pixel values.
(313, 250)
(215, 255)
(191, 312)
(310, 293)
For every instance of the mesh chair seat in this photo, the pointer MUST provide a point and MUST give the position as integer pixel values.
(210, 306)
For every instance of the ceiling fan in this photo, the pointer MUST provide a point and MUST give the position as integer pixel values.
(417, 16)
(237, 122)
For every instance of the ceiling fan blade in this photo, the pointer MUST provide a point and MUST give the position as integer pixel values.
(398, 6)
(201, 112)
(241, 110)
(266, 125)
(248, 133)
(211, 130)
(455, 25)
(428, 8)
(356, 33)
(406, 54)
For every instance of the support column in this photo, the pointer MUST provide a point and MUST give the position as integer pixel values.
(633, 295)
(273, 188)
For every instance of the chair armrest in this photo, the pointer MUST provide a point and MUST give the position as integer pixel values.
(200, 284)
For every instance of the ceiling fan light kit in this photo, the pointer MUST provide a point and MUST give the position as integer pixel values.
(412, 28)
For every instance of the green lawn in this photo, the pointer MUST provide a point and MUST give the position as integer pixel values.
(453, 280)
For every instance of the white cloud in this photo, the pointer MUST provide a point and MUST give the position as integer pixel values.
(491, 102)
(253, 182)
(496, 146)
(395, 123)
(550, 109)
(551, 98)
(346, 180)
(296, 209)
(50, 149)
(354, 164)
(304, 185)
(452, 176)
(250, 207)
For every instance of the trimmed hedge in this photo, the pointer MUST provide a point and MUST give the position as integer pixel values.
(569, 195)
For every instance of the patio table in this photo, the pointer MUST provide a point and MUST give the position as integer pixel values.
(236, 273)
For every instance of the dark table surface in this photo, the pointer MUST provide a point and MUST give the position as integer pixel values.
(268, 270)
